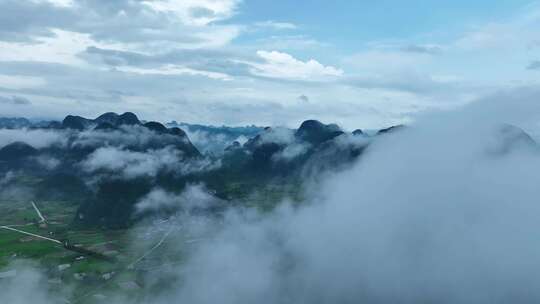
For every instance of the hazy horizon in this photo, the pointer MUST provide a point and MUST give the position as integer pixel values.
(236, 62)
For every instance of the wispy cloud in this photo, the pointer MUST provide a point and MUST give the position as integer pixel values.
(15, 100)
(534, 65)
(276, 25)
(283, 65)
(423, 49)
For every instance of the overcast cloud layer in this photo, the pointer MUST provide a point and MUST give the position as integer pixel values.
(224, 62)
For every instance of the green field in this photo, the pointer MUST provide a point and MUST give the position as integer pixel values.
(90, 278)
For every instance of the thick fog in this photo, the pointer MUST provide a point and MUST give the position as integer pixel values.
(278, 135)
(26, 285)
(446, 210)
(193, 196)
(37, 138)
(210, 143)
(131, 164)
(291, 151)
(443, 211)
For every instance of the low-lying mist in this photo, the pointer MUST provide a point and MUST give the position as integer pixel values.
(443, 211)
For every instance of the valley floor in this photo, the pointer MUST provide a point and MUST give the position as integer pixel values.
(133, 252)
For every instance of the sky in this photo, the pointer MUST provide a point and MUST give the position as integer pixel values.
(361, 64)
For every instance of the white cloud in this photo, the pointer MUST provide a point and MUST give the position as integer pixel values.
(57, 3)
(156, 200)
(279, 135)
(289, 42)
(27, 278)
(47, 162)
(213, 36)
(61, 48)
(285, 66)
(171, 69)
(192, 197)
(291, 152)
(196, 12)
(36, 138)
(276, 25)
(20, 82)
(131, 164)
(64, 44)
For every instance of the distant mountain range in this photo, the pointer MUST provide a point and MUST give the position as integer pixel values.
(108, 164)
(19, 123)
(248, 131)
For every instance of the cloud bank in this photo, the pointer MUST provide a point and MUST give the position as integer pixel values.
(445, 220)
(451, 218)
(37, 138)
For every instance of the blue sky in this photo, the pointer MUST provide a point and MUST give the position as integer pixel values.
(361, 64)
(360, 21)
